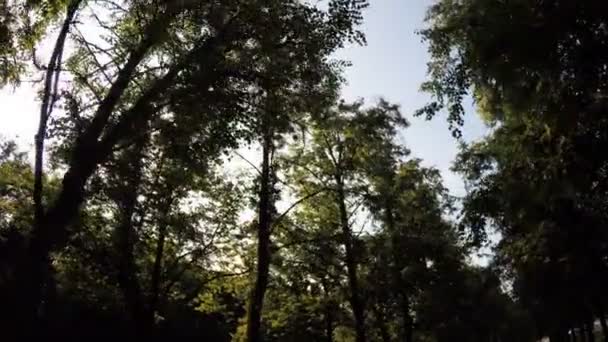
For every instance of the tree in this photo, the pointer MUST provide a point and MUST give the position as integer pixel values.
(185, 51)
(137, 226)
(286, 87)
(479, 47)
(552, 234)
(537, 177)
(333, 160)
(158, 246)
(15, 208)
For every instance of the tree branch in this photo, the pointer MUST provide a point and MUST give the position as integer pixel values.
(295, 204)
(49, 97)
(248, 162)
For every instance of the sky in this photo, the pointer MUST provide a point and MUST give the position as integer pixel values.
(392, 65)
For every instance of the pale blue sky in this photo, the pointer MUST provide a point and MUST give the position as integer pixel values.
(393, 65)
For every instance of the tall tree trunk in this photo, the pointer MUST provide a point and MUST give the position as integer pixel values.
(256, 301)
(351, 263)
(328, 315)
(157, 268)
(49, 96)
(408, 322)
(155, 279)
(329, 324)
(127, 272)
(89, 151)
(125, 237)
(36, 279)
(51, 307)
(399, 283)
(33, 269)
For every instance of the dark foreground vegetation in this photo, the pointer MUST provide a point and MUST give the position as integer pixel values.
(140, 224)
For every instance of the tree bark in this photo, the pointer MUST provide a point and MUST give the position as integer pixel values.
(157, 268)
(29, 304)
(87, 154)
(49, 94)
(125, 236)
(51, 229)
(351, 262)
(408, 322)
(328, 312)
(158, 264)
(256, 302)
(89, 151)
(329, 324)
(398, 282)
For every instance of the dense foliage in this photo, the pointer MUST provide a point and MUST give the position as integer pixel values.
(196, 174)
(537, 71)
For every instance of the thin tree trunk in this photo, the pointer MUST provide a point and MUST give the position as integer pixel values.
(51, 227)
(328, 313)
(351, 263)
(155, 280)
(408, 322)
(157, 270)
(30, 296)
(126, 198)
(398, 282)
(127, 274)
(88, 152)
(256, 302)
(50, 304)
(329, 324)
(49, 95)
